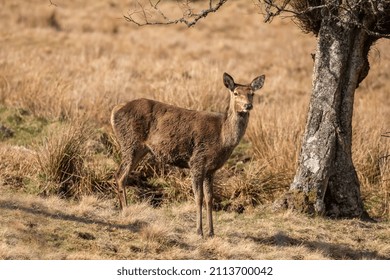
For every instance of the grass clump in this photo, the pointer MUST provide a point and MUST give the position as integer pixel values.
(62, 161)
(72, 165)
(69, 166)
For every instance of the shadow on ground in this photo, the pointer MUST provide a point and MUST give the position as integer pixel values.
(133, 227)
(333, 250)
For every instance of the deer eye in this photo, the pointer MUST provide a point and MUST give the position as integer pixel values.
(235, 93)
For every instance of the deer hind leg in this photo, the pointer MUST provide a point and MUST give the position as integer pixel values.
(197, 185)
(128, 164)
(208, 193)
(120, 177)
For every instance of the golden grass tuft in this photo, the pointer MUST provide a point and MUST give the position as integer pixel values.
(61, 160)
(71, 164)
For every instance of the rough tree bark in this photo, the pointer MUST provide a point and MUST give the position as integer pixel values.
(326, 181)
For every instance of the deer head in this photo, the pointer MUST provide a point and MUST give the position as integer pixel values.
(241, 98)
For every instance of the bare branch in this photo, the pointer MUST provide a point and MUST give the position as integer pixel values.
(189, 18)
(386, 134)
(307, 14)
(310, 13)
(272, 9)
(370, 32)
(52, 3)
(374, 11)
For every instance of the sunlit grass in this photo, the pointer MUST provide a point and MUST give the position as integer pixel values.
(56, 76)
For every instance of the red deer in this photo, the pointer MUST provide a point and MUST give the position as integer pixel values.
(198, 140)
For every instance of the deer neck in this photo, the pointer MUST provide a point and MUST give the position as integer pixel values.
(234, 127)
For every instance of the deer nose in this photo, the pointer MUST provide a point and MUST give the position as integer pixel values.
(248, 106)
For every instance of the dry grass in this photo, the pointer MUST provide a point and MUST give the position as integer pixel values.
(62, 69)
(53, 228)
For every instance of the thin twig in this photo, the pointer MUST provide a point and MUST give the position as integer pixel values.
(52, 3)
(189, 18)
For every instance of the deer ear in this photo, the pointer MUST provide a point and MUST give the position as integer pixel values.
(258, 83)
(228, 81)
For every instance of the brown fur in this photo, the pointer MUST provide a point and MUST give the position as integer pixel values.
(201, 141)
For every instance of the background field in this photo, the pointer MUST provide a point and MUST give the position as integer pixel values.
(63, 66)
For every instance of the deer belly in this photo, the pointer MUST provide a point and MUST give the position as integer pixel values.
(170, 153)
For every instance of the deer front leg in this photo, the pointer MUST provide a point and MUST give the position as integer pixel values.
(197, 185)
(208, 193)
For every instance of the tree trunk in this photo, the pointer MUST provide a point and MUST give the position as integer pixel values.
(326, 181)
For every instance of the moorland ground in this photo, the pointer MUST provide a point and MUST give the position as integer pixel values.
(63, 66)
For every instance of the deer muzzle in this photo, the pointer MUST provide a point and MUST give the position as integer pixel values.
(248, 106)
